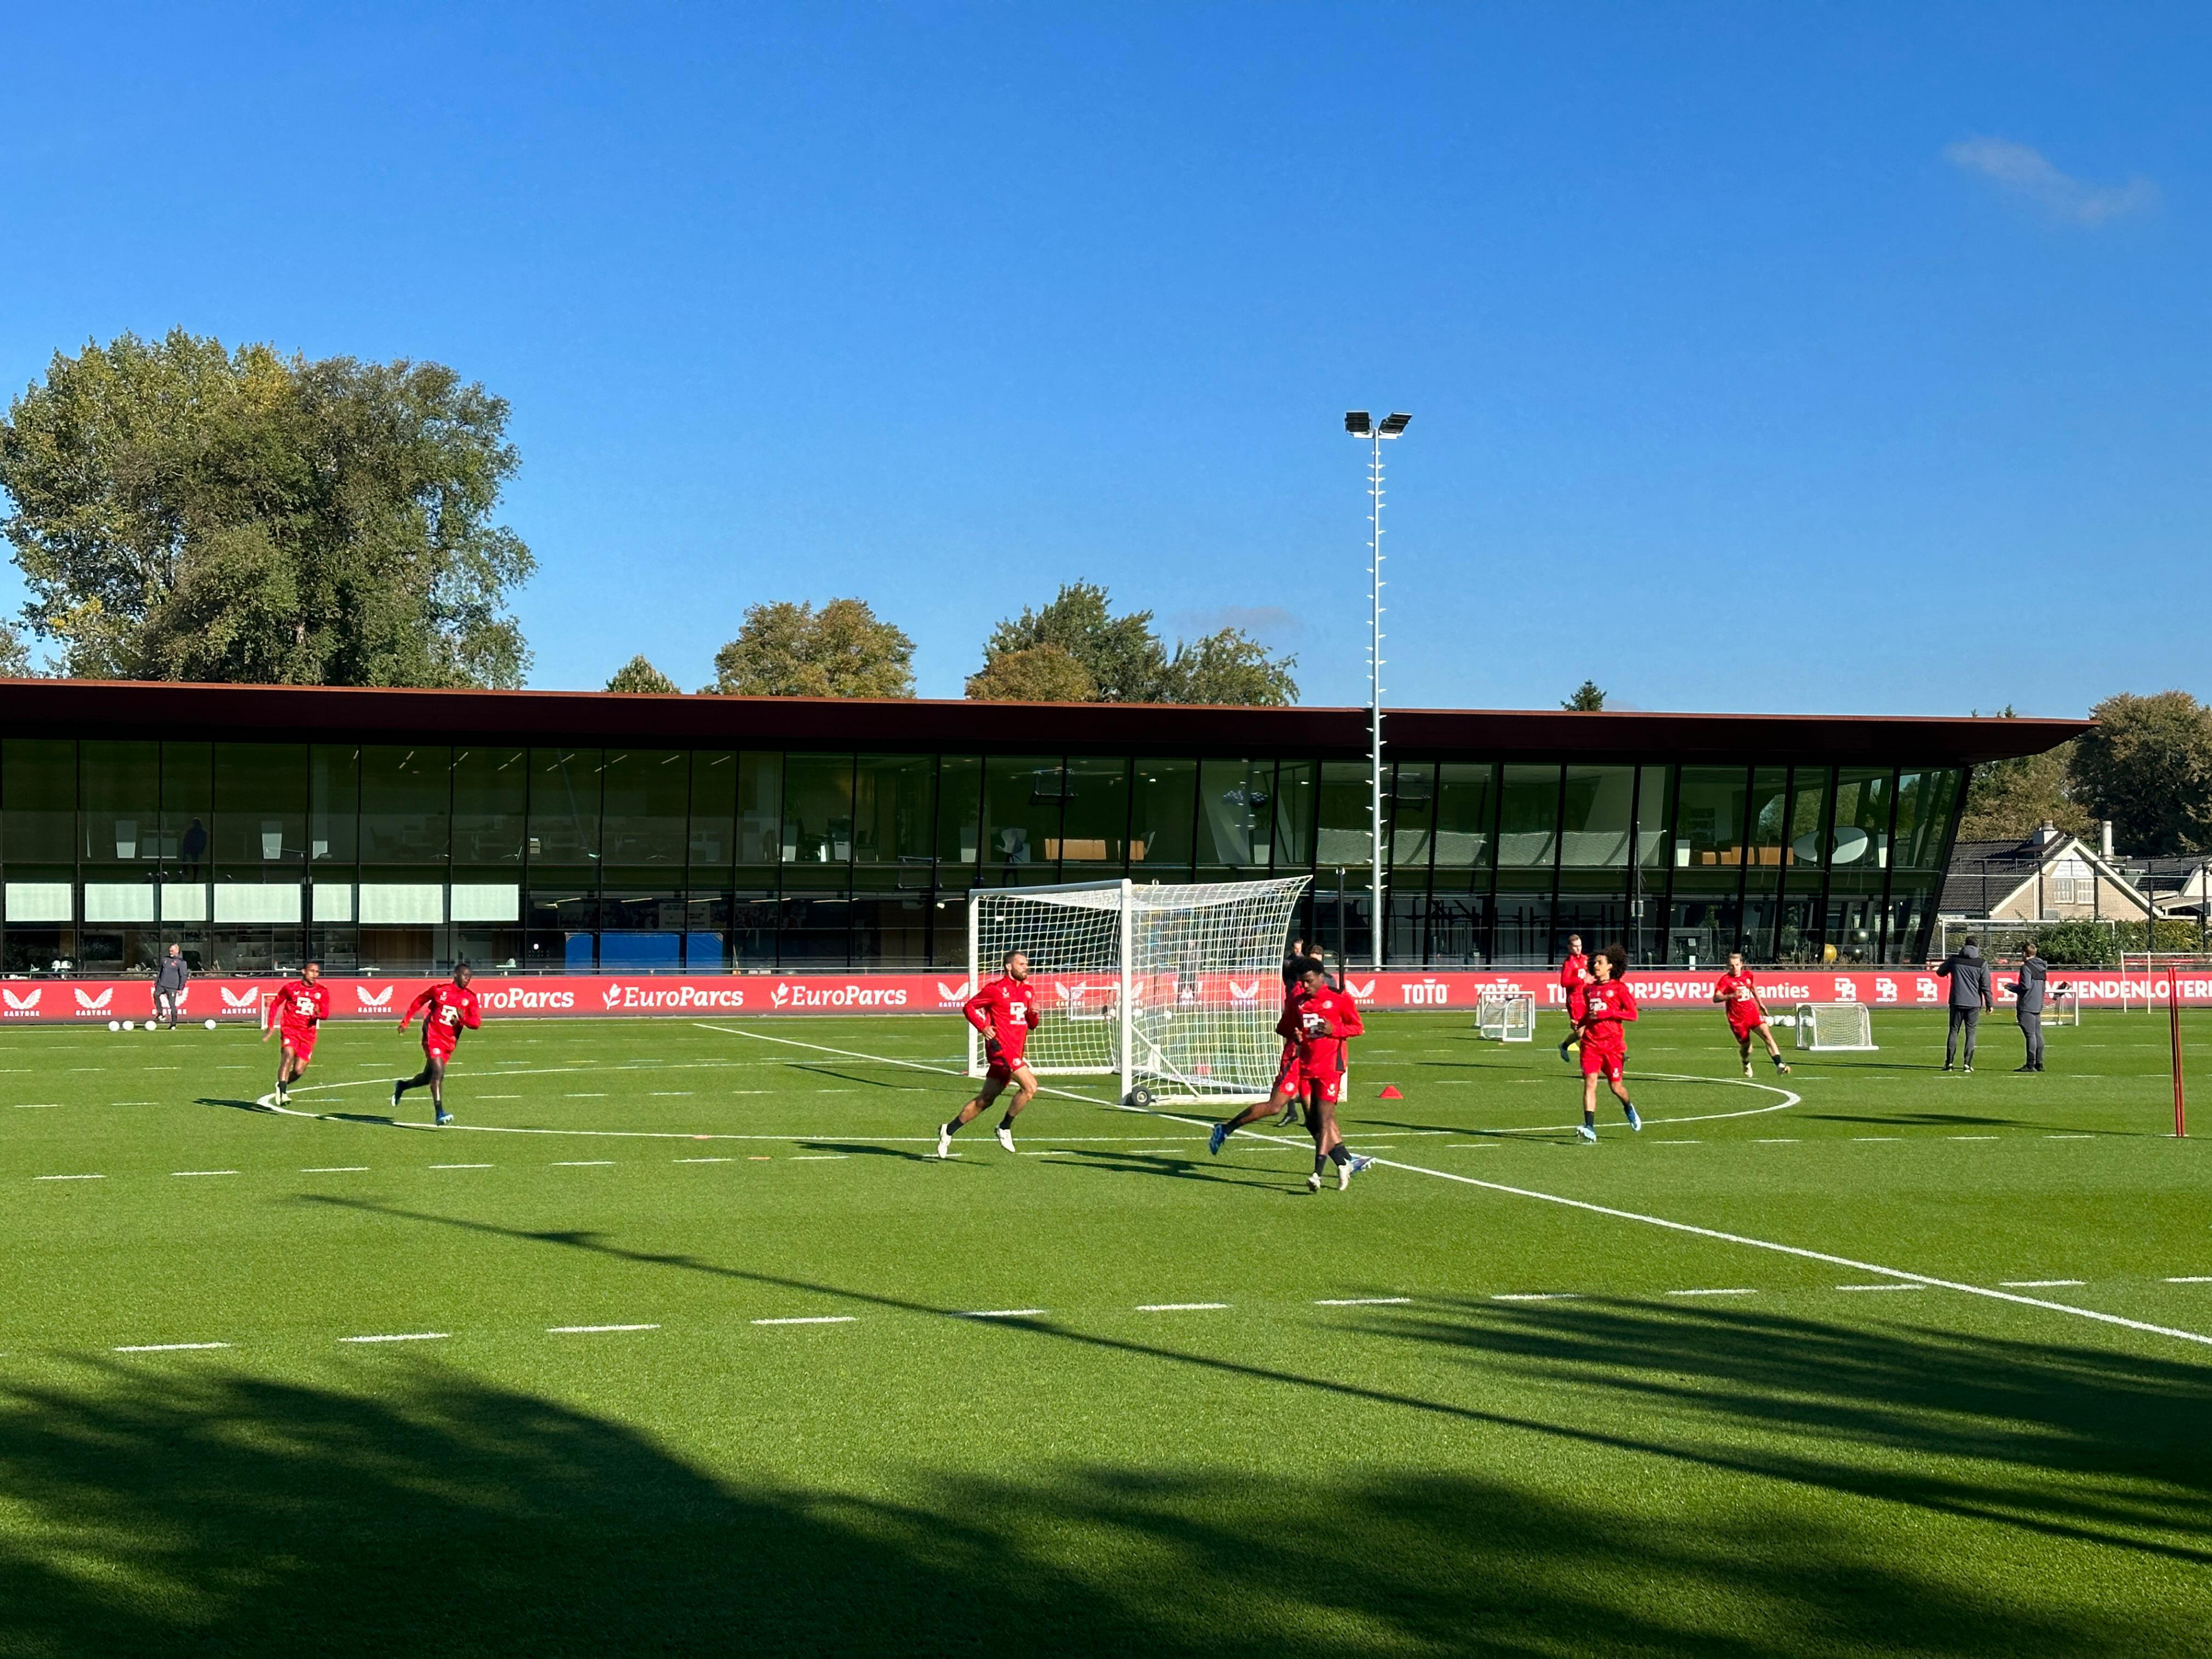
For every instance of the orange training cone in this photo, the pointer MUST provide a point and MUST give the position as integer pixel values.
(1390, 1092)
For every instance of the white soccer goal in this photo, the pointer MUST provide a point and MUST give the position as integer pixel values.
(1834, 1026)
(1505, 1016)
(1175, 990)
(2061, 1006)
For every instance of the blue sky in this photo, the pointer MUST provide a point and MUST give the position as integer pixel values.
(1790, 358)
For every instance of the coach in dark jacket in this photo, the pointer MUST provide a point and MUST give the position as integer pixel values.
(2027, 1004)
(1970, 998)
(169, 985)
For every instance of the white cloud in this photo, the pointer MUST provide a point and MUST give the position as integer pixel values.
(2022, 171)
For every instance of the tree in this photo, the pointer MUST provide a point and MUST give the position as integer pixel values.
(186, 512)
(2148, 767)
(639, 675)
(2011, 799)
(1126, 661)
(787, 650)
(15, 655)
(1587, 699)
(1040, 673)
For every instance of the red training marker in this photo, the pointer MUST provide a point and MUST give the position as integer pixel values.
(1390, 1092)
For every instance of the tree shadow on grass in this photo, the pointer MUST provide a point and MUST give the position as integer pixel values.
(188, 1510)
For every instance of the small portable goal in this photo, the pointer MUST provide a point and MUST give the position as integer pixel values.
(1835, 1027)
(1505, 1016)
(2061, 1006)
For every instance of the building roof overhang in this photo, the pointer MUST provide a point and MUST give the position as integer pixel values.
(335, 714)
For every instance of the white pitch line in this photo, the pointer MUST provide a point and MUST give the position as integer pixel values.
(1003, 1313)
(168, 1348)
(1779, 1141)
(1180, 1307)
(2038, 1284)
(1533, 1296)
(812, 1319)
(337, 1168)
(1971, 1137)
(74, 1177)
(704, 1160)
(203, 1172)
(818, 1157)
(1901, 1287)
(1868, 1138)
(459, 1166)
(51, 1105)
(403, 1336)
(1725, 1292)
(2192, 1278)
(2069, 1137)
(592, 1330)
(1362, 1301)
(574, 1164)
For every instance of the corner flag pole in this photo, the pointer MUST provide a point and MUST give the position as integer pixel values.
(2173, 1034)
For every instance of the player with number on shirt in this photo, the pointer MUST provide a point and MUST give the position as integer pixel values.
(1574, 975)
(1607, 1003)
(1006, 1012)
(446, 1011)
(1746, 1014)
(298, 1010)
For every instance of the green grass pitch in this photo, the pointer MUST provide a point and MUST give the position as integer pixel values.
(726, 1393)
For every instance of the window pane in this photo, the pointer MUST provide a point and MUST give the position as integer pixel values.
(1094, 833)
(1465, 797)
(1769, 800)
(641, 932)
(406, 795)
(1923, 817)
(1653, 810)
(713, 842)
(333, 803)
(1297, 788)
(38, 792)
(1862, 803)
(1160, 823)
(1528, 820)
(1022, 797)
(491, 789)
(564, 810)
(1346, 838)
(1523, 923)
(1709, 824)
(1235, 814)
(959, 822)
(187, 805)
(818, 809)
(260, 812)
(1413, 819)
(122, 785)
(1593, 833)
(760, 808)
(1809, 806)
(1459, 929)
(644, 813)
(1703, 924)
(889, 930)
(892, 809)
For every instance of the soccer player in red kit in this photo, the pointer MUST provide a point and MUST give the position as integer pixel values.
(1607, 1003)
(1318, 1019)
(1746, 1014)
(298, 1010)
(1006, 1012)
(446, 1011)
(1574, 973)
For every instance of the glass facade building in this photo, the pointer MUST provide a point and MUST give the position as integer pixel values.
(134, 816)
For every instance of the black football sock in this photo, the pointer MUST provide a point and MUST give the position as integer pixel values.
(1628, 1108)
(952, 1126)
(1006, 1123)
(1340, 1154)
(1589, 1117)
(1321, 1162)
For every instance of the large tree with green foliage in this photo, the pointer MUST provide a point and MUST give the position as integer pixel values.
(640, 675)
(2148, 767)
(2011, 799)
(1124, 660)
(843, 650)
(182, 511)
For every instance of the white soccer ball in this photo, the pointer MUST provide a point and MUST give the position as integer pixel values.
(114, 1025)
(211, 1025)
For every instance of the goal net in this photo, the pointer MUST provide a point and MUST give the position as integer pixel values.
(1834, 1026)
(1505, 1016)
(1172, 989)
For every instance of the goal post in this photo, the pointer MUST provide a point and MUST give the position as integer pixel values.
(1505, 1016)
(1172, 990)
(1834, 1026)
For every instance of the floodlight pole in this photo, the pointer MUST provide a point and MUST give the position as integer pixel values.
(1376, 921)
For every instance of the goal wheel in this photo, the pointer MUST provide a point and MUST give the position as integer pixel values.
(1141, 1097)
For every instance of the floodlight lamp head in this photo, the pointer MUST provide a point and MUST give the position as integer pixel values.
(1395, 424)
(1357, 423)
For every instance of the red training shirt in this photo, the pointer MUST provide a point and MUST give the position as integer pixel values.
(446, 1011)
(302, 1007)
(1006, 1009)
(1575, 975)
(1605, 1006)
(1322, 1055)
(1738, 995)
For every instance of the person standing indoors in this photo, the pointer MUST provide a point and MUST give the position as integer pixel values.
(298, 1012)
(446, 1011)
(1969, 997)
(1006, 1012)
(1574, 973)
(169, 981)
(1607, 1003)
(2027, 1004)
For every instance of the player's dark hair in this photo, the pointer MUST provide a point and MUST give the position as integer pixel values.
(1006, 961)
(1618, 957)
(462, 967)
(1312, 965)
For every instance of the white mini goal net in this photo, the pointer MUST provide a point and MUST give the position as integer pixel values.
(1175, 990)
(1504, 1016)
(1834, 1026)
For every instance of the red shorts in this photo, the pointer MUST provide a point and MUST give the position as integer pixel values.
(1291, 1077)
(440, 1052)
(1604, 1061)
(1327, 1089)
(300, 1039)
(1742, 1025)
(1001, 1071)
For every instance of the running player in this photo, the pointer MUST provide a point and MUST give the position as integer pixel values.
(446, 1011)
(1290, 1089)
(1294, 969)
(1574, 973)
(1006, 1012)
(1746, 1014)
(1320, 1019)
(1607, 1003)
(298, 1010)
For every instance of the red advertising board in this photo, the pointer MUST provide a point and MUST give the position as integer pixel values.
(670, 995)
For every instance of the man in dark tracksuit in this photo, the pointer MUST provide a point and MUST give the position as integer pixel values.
(1969, 997)
(169, 985)
(2027, 1005)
